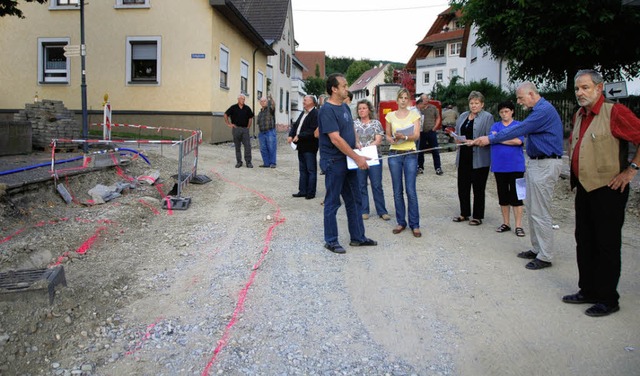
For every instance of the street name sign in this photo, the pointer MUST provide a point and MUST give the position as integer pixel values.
(71, 50)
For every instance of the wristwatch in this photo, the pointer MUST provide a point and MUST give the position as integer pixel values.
(634, 166)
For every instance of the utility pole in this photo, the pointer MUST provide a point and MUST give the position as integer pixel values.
(83, 85)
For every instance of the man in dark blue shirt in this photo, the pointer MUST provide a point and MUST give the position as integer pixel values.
(337, 138)
(544, 132)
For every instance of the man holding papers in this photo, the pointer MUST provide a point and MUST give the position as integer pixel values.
(337, 140)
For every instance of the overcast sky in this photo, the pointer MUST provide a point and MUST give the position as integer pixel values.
(364, 29)
(370, 29)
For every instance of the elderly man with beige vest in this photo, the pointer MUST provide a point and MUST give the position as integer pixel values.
(601, 172)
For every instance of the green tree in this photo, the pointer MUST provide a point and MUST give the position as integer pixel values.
(456, 93)
(388, 75)
(337, 64)
(10, 7)
(356, 69)
(550, 40)
(315, 85)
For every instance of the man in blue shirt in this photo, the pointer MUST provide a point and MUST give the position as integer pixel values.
(544, 132)
(337, 139)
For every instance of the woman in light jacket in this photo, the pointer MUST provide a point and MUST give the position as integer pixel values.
(473, 161)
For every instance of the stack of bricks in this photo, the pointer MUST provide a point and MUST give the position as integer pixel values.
(50, 119)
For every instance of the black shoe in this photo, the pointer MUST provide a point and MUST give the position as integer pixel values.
(310, 197)
(537, 264)
(366, 242)
(601, 309)
(528, 255)
(264, 166)
(249, 165)
(272, 166)
(239, 164)
(420, 170)
(335, 248)
(439, 171)
(321, 172)
(299, 194)
(577, 298)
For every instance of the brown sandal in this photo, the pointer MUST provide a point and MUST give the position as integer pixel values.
(416, 232)
(398, 229)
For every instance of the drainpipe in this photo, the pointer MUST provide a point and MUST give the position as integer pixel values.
(83, 83)
(254, 91)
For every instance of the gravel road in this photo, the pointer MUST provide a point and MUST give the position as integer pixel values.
(240, 284)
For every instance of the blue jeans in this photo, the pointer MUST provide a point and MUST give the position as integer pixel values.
(374, 173)
(406, 165)
(308, 173)
(340, 181)
(268, 145)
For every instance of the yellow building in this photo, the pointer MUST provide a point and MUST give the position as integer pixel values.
(163, 63)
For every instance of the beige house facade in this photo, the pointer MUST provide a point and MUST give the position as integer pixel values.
(162, 63)
(274, 21)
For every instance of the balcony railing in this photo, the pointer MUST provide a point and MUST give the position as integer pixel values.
(297, 85)
(431, 62)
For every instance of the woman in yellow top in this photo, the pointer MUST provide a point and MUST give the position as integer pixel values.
(403, 129)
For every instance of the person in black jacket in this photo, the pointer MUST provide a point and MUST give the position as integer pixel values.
(302, 135)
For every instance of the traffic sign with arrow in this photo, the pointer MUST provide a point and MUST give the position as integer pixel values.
(616, 90)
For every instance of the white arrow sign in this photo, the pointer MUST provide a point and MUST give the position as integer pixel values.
(616, 90)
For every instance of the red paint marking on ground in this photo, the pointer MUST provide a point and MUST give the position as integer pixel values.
(154, 210)
(89, 242)
(147, 334)
(222, 342)
(59, 260)
(120, 172)
(212, 254)
(159, 188)
(38, 224)
(6, 239)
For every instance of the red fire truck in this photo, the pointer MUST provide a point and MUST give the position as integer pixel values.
(385, 101)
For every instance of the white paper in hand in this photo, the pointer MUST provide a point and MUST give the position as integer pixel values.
(367, 151)
(294, 146)
(521, 188)
(458, 138)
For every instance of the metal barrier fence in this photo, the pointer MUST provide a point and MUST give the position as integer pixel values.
(186, 170)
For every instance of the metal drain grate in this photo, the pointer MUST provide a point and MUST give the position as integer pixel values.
(32, 279)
